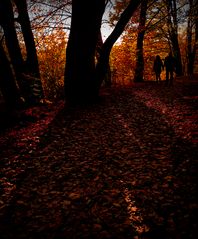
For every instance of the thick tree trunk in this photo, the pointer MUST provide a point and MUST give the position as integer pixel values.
(81, 49)
(7, 82)
(139, 70)
(82, 78)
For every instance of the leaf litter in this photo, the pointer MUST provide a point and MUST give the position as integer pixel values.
(122, 168)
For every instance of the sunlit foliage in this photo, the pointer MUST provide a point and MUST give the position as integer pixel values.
(123, 56)
(123, 62)
(51, 55)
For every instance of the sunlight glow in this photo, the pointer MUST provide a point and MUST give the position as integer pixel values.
(128, 132)
(134, 212)
(135, 216)
(172, 115)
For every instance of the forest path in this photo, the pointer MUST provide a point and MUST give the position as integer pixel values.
(123, 168)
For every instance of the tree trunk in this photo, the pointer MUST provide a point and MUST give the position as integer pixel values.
(7, 82)
(103, 61)
(173, 32)
(177, 54)
(12, 44)
(107, 79)
(82, 78)
(81, 49)
(139, 70)
(7, 22)
(31, 65)
(191, 49)
(23, 18)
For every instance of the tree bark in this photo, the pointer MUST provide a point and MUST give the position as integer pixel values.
(107, 79)
(7, 81)
(81, 48)
(31, 64)
(82, 78)
(23, 18)
(7, 23)
(139, 69)
(191, 48)
(103, 61)
(173, 32)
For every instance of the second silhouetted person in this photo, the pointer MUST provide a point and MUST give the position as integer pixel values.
(169, 64)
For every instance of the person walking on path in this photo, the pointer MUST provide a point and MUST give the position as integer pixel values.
(169, 64)
(158, 67)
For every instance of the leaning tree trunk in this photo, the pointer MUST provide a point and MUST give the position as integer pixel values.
(81, 48)
(103, 61)
(23, 18)
(7, 23)
(7, 82)
(32, 65)
(139, 70)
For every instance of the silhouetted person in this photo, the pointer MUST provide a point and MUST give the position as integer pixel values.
(169, 64)
(158, 67)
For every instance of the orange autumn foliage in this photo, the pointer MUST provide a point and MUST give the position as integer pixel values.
(51, 55)
(123, 57)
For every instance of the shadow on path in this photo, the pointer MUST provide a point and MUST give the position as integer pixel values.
(110, 170)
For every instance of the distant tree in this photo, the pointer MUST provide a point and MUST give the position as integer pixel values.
(192, 34)
(148, 19)
(172, 23)
(139, 70)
